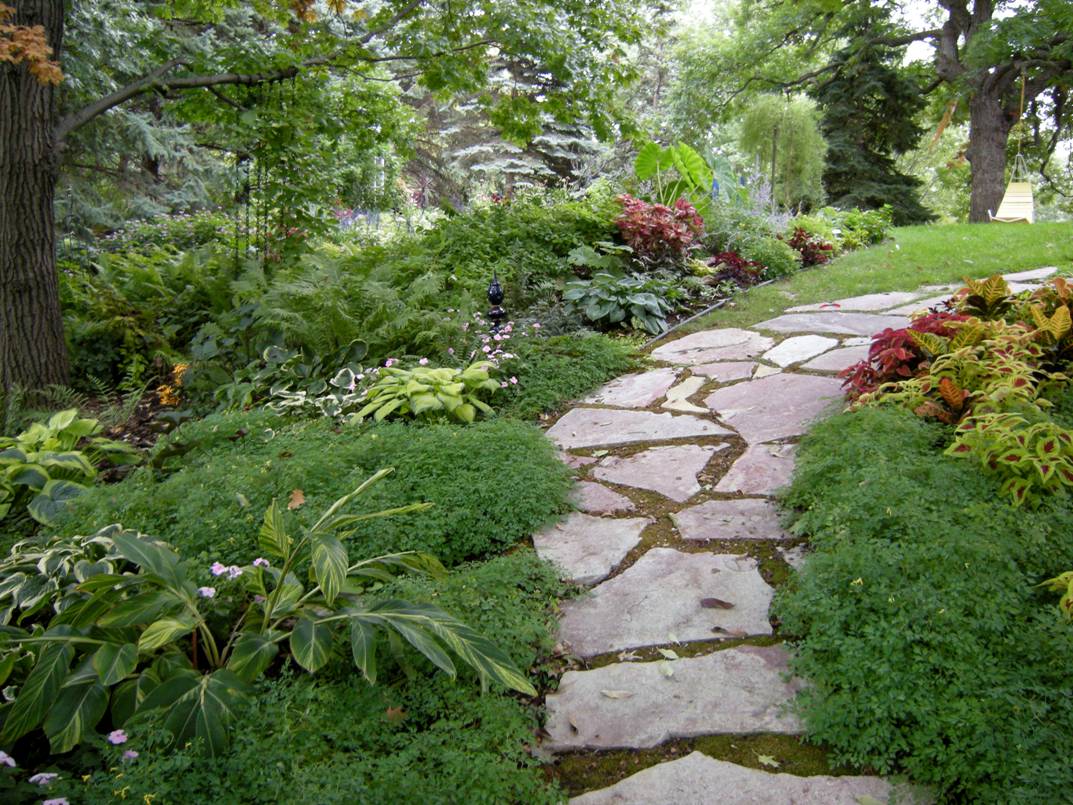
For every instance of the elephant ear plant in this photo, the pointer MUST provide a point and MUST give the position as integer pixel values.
(130, 636)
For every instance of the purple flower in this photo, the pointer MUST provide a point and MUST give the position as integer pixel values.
(234, 572)
(218, 568)
(486, 348)
(56, 801)
(260, 562)
(450, 350)
(465, 327)
(6, 759)
(389, 362)
(130, 754)
(423, 361)
(206, 592)
(117, 737)
(514, 381)
(536, 325)
(44, 778)
(503, 385)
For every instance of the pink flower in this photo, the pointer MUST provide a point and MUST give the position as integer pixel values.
(450, 350)
(234, 572)
(204, 592)
(56, 801)
(218, 568)
(536, 325)
(465, 327)
(423, 362)
(486, 348)
(260, 562)
(389, 362)
(503, 385)
(6, 759)
(44, 778)
(130, 754)
(514, 381)
(117, 737)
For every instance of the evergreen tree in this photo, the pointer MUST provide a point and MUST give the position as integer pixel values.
(870, 112)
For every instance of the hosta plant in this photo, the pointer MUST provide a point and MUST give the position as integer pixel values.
(613, 300)
(431, 393)
(51, 462)
(125, 634)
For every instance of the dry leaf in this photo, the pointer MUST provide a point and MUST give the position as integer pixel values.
(768, 760)
(673, 638)
(616, 694)
(243, 501)
(394, 714)
(667, 653)
(715, 603)
(666, 670)
(628, 656)
(298, 497)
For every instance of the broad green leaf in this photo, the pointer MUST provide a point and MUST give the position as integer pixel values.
(114, 662)
(38, 692)
(6, 666)
(205, 710)
(647, 163)
(62, 419)
(52, 500)
(164, 631)
(142, 608)
(692, 167)
(129, 695)
(252, 654)
(311, 644)
(73, 461)
(330, 563)
(273, 538)
(78, 709)
(363, 649)
(150, 556)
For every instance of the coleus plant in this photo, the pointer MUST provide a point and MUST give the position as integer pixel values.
(658, 233)
(114, 627)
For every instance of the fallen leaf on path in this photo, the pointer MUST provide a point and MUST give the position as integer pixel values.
(666, 670)
(668, 654)
(616, 694)
(715, 603)
(768, 760)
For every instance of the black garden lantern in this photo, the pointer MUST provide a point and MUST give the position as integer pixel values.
(495, 298)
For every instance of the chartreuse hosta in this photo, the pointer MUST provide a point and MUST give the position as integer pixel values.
(114, 624)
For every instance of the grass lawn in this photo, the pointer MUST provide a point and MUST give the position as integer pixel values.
(914, 256)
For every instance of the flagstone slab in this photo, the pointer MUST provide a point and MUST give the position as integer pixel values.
(695, 779)
(593, 498)
(867, 303)
(1019, 287)
(576, 462)
(763, 370)
(1034, 274)
(672, 471)
(858, 341)
(837, 359)
(635, 391)
(590, 427)
(725, 372)
(657, 600)
(919, 305)
(707, 346)
(742, 518)
(761, 470)
(833, 323)
(585, 548)
(795, 557)
(678, 396)
(798, 348)
(774, 407)
(735, 691)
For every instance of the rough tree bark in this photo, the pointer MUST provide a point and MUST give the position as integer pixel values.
(989, 129)
(32, 348)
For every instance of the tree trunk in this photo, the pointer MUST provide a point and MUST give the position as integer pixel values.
(989, 129)
(32, 349)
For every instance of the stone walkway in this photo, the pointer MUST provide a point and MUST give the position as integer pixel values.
(678, 537)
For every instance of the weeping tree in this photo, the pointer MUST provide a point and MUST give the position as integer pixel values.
(782, 135)
(447, 46)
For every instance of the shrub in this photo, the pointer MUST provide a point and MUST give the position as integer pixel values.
(492, 484)
(551, 371)
(732, 267)
(731, 227)
(777, 258)
(915, 621)
(859, 228)
(609, 300)
(430, 393)
(658, 234)
(814, 251)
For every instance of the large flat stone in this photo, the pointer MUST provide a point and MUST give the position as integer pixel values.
(835, 323)
(593, 498)
(919, 306)
(697, 779)
(866, 303)
(761, 470)
(635, 391)
(1034, 274)
(837, 359)
(672, 471)
(726, 372)
(657, 600)
(798, 348)
(728, 344)
(774, 407)
(589, 427)
(588, 548)
(736, 691)
(678, 396)
(744, 518)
